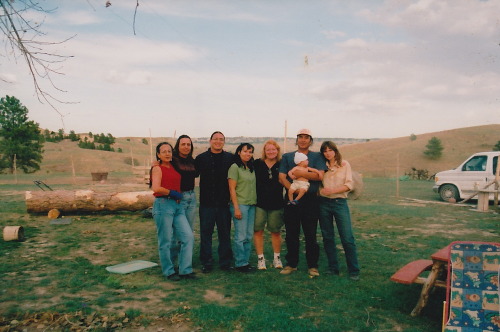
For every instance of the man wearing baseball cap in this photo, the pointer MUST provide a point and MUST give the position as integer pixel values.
(305, 214)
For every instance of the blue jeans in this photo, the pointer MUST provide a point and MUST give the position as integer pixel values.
(171, 223)
(337, 210)
(243, 234)
(188, 203)
(209, 217)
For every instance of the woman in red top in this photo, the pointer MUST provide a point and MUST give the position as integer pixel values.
(169, 216)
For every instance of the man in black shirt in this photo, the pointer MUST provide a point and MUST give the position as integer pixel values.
(212, 165)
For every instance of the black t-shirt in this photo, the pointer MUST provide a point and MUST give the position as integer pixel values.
(269, 189)
(213, 167)
(187, 170)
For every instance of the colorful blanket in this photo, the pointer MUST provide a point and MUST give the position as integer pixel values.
(473, 287)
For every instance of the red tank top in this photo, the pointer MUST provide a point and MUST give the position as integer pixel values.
(170, 179)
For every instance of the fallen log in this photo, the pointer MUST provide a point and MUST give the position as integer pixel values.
(87, 201)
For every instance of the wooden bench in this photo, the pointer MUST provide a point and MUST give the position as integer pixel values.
(410, 273)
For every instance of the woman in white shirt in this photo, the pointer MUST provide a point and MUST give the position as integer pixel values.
(337, 182)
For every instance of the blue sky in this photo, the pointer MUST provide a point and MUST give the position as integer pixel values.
(360, 69)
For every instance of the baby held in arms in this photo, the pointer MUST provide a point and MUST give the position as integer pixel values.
(300, 185)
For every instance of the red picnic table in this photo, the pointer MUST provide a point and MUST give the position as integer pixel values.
(410, 273)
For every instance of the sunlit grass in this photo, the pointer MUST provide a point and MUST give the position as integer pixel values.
(61, 268)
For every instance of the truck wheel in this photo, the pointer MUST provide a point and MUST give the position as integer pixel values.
(447, 191)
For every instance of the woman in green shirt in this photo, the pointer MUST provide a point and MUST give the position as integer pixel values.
(243, 192)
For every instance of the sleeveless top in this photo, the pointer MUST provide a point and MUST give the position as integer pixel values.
(170, 179)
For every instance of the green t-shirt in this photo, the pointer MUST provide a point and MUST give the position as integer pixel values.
(246, 191)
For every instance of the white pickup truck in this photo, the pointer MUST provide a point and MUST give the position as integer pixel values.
(466, 179)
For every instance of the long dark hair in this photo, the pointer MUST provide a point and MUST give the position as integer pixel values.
(237, 158)
(158, 147)
(330, 145)
(176, 147)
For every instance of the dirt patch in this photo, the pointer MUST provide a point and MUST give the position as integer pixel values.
(214, 296)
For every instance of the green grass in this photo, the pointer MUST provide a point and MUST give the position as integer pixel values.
(61, 268)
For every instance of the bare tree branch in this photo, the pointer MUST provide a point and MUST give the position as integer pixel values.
(135, 13)
(23, 38)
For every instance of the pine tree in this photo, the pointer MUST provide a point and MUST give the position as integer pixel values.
(20, 138)
(434, 148)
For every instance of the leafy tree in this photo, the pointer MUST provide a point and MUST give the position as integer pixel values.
(60, 135)
(73, 136)
(413, 137)
(497, 146)
(144, 141)
(434, 148)
(20, 138)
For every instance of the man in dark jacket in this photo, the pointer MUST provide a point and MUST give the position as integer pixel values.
(212, 165)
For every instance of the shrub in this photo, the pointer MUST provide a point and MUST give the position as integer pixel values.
(434, 148)
(128, 161)
(497, 146)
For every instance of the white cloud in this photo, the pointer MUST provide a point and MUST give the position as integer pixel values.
(333, 34)
(79, 17)
(130, 78)
(443, 17)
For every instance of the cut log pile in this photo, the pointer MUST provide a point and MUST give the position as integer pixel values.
(87, 201)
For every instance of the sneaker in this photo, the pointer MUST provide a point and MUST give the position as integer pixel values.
(191, 276)
(288, 270)
(354, 277)
(174, 277)
(226, 268)
(261, 264)
(332, 272)
(245, 268)
(313, 272)
(277, 263)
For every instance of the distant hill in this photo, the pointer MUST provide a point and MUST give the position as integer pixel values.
(371, 157)
(379, 158)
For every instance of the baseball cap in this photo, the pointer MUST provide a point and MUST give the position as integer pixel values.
(304, 132)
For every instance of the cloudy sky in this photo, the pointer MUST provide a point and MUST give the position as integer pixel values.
(360, 69)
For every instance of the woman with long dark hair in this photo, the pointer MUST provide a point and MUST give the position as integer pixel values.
(337, 182)
(183, 163)
(169, 215)
(242, 190)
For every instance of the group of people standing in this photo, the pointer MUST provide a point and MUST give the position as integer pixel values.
(250, 192)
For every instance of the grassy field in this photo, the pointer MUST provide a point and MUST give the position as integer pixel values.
(56, 279)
